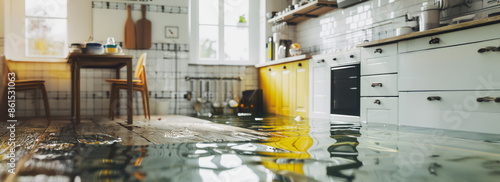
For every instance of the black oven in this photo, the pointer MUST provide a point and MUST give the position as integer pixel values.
(345, 96)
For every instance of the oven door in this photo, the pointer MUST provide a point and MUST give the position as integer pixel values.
(345, 91)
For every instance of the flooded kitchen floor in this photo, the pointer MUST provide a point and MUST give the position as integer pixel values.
(230, 148)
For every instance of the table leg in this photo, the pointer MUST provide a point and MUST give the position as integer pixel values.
(72, 90)
(129, 92)
(77, 93)
(117, 105)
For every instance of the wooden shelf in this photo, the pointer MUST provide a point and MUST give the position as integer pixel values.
(284, 60)
(310, 10)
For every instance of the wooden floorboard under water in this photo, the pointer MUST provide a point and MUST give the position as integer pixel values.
(38, 139)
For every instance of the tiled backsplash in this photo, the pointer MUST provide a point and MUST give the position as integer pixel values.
(161, 77)
(373, 20)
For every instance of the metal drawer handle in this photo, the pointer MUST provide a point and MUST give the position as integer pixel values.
(334, 59)
(269, 69)
(485, 99)
(377, 102)
(351, 56)
(431, 98)
(488, 49)
(300, 64)
(321, 61)
(376, 84)
(434, 41)
(354, 88)
(284, 67)
(378, 50)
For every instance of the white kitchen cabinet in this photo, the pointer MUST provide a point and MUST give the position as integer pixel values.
(319, 85)
(475, 111)
(379, 110)
(450, 39)
(459, 67)
(379, 85)
(379, 59)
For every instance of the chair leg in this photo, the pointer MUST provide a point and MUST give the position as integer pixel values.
(147, 101)
(46, 101)
(144, 104)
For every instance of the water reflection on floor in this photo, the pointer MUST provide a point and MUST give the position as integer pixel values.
(311, 150)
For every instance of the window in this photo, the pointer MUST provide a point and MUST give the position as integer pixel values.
(46, 28)
(221, 31)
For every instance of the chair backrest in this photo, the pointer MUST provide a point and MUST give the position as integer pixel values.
(139, 68)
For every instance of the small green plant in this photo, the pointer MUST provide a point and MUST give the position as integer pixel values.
(242, 19)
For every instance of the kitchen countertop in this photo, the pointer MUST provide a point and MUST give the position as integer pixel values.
(449, 28)
(284, 60)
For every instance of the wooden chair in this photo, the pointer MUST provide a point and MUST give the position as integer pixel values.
(21, 85)
(140, 85)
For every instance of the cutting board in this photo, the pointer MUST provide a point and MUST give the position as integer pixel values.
(129, 39)
(143, 33)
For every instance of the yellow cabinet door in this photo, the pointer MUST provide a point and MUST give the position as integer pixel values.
(286, 89)
(264, 82)
(301, 88)
(274, 90)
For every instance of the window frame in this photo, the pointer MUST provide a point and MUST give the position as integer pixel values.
(26, 43)
(253, 36)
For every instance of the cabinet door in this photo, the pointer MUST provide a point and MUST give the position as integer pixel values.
(274, 89)
(452, 68)
(287, 85)
(301, 83)
(319, 80)
(475, 111)
(379, 110)
(264, 83)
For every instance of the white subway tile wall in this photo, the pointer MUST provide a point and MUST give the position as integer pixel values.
(373, 20)
(161, 76)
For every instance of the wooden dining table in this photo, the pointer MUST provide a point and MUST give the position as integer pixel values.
(98, 61)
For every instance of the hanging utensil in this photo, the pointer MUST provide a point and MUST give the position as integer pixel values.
(197, 104)
(233, 103)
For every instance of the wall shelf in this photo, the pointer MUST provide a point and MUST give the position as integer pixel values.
(310, 10)
(284, 60)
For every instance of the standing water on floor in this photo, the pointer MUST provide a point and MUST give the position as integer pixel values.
(309, 150)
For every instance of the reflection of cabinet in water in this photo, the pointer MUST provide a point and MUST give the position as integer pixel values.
(285, 88)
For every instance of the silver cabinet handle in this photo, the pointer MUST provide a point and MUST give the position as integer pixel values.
(432, 98)
(376, 84)
(486, 99)
(378, 50)
(354, 88)
(321, 61)
(377, 102)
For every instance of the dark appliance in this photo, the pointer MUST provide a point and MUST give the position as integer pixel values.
(251, 103)
(345, 90)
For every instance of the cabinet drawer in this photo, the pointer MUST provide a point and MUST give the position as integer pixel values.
(379, 60)
(451, 68)
(379, 51)
(459, 110)
(338, 58)
(450, 39)
(379, 110)
(379, 85)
